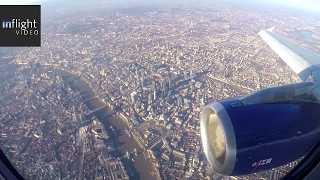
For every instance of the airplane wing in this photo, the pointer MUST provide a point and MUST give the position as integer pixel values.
(304, 62)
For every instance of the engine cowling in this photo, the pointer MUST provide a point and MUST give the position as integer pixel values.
(264, 130)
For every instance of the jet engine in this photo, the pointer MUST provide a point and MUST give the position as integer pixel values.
(267, 129)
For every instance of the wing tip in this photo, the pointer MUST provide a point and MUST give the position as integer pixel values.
(270, 29)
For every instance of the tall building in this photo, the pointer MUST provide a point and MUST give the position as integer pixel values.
(163, 91)
(186, 103)
(191, 82)
(153, 67)
(168, 99)
(134, 97)
(155, 95)
(193, 73)
(153, 85)
(138, 103)
(179, 101)
(192, 88)
(185, 74)
(150, 99)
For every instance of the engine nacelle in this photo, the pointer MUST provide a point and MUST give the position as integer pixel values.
(264, 130)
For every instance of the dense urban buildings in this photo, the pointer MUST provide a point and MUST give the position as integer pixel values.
(152, 70)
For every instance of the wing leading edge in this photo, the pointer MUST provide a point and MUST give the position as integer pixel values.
(304, 62)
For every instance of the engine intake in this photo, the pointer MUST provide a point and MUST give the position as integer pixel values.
(218, 138)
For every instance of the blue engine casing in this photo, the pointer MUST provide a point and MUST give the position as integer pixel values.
(271, 131)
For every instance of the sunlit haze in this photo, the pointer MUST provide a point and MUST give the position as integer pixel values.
(302, 4)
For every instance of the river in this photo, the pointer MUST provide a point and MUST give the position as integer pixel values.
(123, 143)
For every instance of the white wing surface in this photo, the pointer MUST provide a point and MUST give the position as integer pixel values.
(304, 62)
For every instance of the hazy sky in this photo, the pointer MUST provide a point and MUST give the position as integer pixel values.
(312, 5)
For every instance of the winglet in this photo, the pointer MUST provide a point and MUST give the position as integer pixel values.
(270, 29)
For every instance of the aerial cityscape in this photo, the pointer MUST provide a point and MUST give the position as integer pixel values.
(116, 93)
